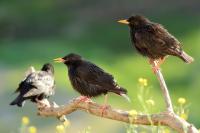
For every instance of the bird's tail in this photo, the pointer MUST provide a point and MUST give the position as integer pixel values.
(19, 101)
(122, 92)
(126, 97)
(186, 58)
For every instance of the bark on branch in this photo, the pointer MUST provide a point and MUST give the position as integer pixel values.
(165, 118)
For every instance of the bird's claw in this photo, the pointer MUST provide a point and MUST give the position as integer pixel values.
(155, 65)
(155, 69)
(84, 99)
(41, 104)
(104, 108)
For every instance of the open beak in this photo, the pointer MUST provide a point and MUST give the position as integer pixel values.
(59, 60)
(124, 21)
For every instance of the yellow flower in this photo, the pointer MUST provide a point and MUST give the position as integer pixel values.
(60, 128)
(181, 100)
(32, 129)
(166, 130)
(143, 81)
(184, 116)
(140, 80)
(133, 113)
(66, 123)
(25, 120)
(150, 102)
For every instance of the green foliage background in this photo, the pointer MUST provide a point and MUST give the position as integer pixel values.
(33, 32)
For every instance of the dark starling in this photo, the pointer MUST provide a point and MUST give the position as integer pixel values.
(36, 86)
(88, 79)
(153, 40)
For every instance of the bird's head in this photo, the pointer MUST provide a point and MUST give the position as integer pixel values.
(135, 21)
(69, 59)
(48, 68)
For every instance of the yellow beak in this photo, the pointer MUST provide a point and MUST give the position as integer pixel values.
(124, 21)
(59, 60)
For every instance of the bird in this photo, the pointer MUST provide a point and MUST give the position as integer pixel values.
(90, 80)
(153, 40)
(36, 86)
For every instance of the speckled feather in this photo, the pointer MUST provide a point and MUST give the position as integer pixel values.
(153, 40)
(37, 85)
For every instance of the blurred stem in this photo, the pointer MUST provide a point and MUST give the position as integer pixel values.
(141, 98)
(22, 128)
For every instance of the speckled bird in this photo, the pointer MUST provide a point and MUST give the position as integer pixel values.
(153, 40)
(36, 86)
(88, 79)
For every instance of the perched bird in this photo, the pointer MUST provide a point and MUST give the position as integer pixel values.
(88, 79)
(36, 86)
(153, 40)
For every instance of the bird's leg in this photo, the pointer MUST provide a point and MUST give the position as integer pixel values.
(154, 64)
(105, 105)
(161, 61)
(46, 102)
(84, 99)
(42, 103)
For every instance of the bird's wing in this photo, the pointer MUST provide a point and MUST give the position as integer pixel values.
(174, 46)
(32, 92)
(167, 42)
(30, 70)
(52, 89)
(44, 79)
(42, 82)
(94, 75)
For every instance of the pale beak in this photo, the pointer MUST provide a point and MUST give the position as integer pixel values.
(124, 21)
(59, 60)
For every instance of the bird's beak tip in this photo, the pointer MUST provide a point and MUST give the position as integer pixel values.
(124, 21)
(59, 60)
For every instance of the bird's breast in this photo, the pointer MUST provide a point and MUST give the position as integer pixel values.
(132, 34)
(73, 77)
(72, 72)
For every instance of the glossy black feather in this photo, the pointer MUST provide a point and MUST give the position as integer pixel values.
(88, 79)
(36, 85)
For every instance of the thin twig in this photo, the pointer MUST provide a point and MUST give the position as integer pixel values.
(163, 87)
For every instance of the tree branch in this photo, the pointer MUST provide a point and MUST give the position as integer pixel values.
(166, 118)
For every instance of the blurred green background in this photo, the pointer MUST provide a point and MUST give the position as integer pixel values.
(33, 32)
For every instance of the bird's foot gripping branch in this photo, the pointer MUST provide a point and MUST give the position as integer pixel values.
(45, 104)
(166, 118)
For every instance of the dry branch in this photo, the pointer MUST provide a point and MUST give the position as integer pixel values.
(165, 118)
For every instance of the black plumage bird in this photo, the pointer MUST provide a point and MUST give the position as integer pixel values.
(88, 79)
(36, 86)
(153, 40)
